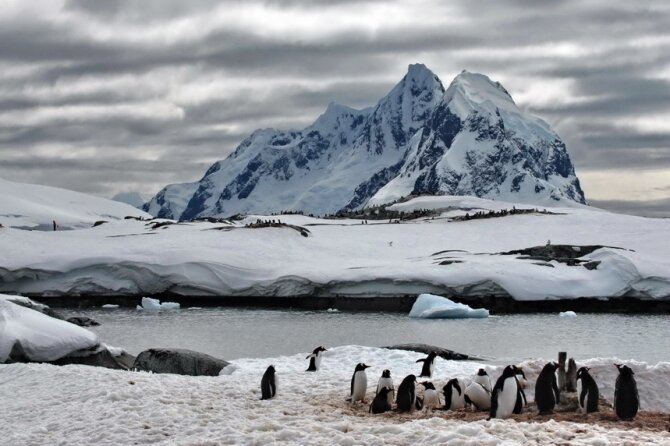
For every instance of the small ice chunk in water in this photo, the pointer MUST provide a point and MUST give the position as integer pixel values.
(429, 306)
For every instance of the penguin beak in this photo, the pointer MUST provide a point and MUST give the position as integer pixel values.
(618, 366)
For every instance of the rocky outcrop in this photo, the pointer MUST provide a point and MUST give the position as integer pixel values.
(441, 352)
(179, 361)
(83, 321)
(101, 358)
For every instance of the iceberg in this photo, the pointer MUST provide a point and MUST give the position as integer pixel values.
(567, 314)
(37, 337)
(430, 306)
(150, 304)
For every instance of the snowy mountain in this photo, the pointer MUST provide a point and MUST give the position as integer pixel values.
(31, 206)
(470, 139)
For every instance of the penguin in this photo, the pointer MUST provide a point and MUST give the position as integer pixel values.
(380, 403)
(428, 364)
(386, 381)
(315, 359)
(406, 396)
(587, 391)
(477, 396)
(431, 399)
(483, 378)
(547, 394)
(268, 384)
(505, 394)
(626, 397)
(521, 400)
(521, 377)
(359, 383)
(453, 395)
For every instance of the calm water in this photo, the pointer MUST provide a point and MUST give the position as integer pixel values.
(231, 333)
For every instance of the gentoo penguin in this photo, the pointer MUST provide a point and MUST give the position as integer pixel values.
(547, 394)
(386, 381)
(380, 403)
(521, 401)
(431, 399)
(626, 398)
(505, 393)
(268, 384)
(587, 391)
(478, 396)
(428, 364)
(453, 395)
(483, 378)
(520, 377)
(406, 397)
(315, 359)
(359, 383)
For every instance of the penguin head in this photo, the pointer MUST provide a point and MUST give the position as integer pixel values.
(583, 371)
(624, 370)
(517, 371)
(511, 370)
(454, 383)
(319, 349)
(409, 379)
(482, 372)
(271, 370)
(361, 367)
(384, 391)
(431, 356)
(386, 374)
(552, 366)
(428, 385)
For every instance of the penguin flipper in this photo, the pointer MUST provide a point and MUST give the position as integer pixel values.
(421, 360)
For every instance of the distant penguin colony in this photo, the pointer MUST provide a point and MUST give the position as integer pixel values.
(268, 384)
(359, 383)
(507, 396)
(315, 359)
(626, 398)
(428, 365)
(587, 391)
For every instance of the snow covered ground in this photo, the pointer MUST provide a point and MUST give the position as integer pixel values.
(31, 206)
(100, 406)
(345, 257)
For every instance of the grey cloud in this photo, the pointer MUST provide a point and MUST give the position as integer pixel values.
(651, 208)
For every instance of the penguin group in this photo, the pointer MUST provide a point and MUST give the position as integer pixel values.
(505, 398)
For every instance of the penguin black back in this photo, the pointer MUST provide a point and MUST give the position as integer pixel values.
(589, 394)
(448, 391)
(428, 362)
(380, 403)
(547, 394)
(406, 395)
(268, 384)
(315, 359)
(626, 397)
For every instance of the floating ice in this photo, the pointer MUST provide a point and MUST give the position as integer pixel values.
(429, 306)
(332, 310)
(110, 306)
(150, 304)
(567, 314)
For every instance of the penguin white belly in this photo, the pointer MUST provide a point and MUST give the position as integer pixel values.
(457, 400)
(317, 361)
(582, 407)
(479, 396)
(387, 382)
(431, 399)
(360, 386)
(484, 380)
(507, 398)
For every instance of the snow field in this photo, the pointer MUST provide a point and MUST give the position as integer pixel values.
(94, 405)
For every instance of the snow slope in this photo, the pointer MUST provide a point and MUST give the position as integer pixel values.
(344, 257)
(470, 139)
(101, 406)
(31, 206)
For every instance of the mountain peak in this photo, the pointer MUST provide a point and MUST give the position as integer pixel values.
(474, 89)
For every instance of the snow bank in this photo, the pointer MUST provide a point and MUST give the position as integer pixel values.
(141, 408)
(150, 304)
(37, 336)
(429, 306)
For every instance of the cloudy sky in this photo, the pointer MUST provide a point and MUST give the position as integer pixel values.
(106, 96)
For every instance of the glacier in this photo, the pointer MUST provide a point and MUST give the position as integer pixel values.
(420, 139)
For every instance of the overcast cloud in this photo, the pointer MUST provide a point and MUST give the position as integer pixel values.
(105, 96)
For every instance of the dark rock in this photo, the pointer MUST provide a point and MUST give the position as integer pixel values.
(592, 265)
(179, 361)
(83, 321)
(99, 222)
(568, 254)
(102, 358)
(441, 352)
(450, 262)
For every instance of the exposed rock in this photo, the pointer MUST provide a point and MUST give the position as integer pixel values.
(83, 321)
(179, 361)
(441, 352)
(102, 358)
(592, 265)
(568, 254)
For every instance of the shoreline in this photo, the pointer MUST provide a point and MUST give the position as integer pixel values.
(396, 304)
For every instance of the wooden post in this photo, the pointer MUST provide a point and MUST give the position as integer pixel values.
(562, 356)
(571, 385)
